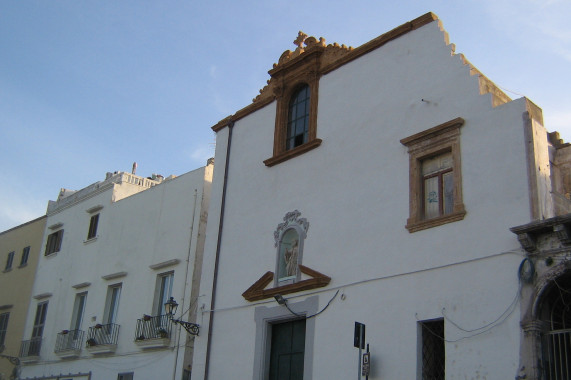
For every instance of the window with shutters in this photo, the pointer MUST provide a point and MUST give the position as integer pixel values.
(53, 243)
(3, 327)
(25, 256)
(9, 261)
(92, 232)
(163, 292)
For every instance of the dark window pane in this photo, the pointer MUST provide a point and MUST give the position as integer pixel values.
(298, 118)
(25, 255)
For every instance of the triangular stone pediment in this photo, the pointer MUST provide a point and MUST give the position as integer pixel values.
(259, 291)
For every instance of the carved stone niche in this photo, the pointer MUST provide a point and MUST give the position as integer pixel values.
(289, 237)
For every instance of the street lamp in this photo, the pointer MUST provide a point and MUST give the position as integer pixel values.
(170, 307)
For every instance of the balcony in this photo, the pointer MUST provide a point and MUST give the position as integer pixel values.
(153, 332)
(102, 339)
(68, 343)
(30, 350)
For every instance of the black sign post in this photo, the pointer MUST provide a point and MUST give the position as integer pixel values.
(366, 370)
(359, 342)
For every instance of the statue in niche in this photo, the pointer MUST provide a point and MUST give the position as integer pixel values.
(290, 256)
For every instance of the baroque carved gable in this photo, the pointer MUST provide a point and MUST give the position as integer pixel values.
(305, 46)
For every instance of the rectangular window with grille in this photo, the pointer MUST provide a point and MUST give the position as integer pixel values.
(433, 350)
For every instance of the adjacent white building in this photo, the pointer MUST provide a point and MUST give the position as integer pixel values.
(114, 253)
(373, 185)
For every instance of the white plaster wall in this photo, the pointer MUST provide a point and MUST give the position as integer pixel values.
(353, 190)
(154, 226)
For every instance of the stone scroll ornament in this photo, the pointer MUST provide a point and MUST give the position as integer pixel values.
(290, 219)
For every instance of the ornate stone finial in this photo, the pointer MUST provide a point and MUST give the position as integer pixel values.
(300, 39)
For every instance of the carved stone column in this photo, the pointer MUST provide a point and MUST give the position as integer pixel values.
(530, 354)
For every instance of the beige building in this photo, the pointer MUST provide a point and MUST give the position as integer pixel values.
(19, 251)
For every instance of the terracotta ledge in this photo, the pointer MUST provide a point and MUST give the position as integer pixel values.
(292, 152)
(257, 292)
(429, 223)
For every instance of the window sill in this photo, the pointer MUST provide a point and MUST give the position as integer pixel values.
(413, 226)
(288, 154)
(51, 254)
(90, 240)
(7, 270)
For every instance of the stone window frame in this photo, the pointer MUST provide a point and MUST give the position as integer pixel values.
(426, 144)
(303, 71)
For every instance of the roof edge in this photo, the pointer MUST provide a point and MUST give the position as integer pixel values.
(367, 47)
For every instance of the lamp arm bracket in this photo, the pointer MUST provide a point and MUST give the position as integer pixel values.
(191, 328)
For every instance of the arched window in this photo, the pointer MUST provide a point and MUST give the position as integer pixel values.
(298, 118)
(555, 313)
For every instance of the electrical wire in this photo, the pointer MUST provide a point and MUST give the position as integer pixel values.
(313, 315)
(518, 252)
(512, 304)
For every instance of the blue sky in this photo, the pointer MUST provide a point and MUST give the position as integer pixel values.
(88, 87)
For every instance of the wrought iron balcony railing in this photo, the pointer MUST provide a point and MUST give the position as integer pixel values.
(68, 340)
(30, 347)
(102, 335)
(153, 327)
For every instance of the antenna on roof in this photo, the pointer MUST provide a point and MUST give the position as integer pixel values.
(134, 171)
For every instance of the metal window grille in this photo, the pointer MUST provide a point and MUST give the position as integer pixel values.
(557, 354)
(433, 351)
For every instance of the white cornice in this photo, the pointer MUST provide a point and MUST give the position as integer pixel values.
(164, 264)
